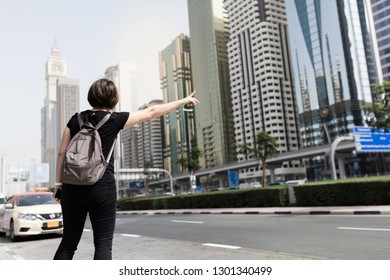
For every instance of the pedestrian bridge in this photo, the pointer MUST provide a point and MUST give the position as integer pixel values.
(345, 147)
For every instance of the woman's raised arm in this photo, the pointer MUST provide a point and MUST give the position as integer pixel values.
(156, 111)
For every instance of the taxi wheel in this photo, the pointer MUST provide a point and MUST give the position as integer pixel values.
(12, 232)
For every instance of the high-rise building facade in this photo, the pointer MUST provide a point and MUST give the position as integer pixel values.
(381, 15)
(68, 103)
(261, 79)
(123, 75)
(178, 125)
(210, 75)
(130, 147)
(142, 146)
(335, 63)
(149, 149)
(55, 68)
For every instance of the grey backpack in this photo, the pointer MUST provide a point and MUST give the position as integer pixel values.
(84, 162)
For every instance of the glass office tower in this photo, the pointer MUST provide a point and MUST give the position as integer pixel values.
(178, 125)
(210, 76)
(381, 14)
(335, 62)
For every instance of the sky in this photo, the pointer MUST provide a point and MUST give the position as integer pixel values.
(92, 35)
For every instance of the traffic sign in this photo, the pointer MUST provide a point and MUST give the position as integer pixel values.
(233, 179)
(368, 139)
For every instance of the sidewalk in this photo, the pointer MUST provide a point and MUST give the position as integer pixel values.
(7, 254)
(323, 210)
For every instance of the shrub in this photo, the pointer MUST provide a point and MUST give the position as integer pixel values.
(263, 197)
(344, 193)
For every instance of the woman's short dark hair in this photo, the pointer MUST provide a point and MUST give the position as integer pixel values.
(103, 94)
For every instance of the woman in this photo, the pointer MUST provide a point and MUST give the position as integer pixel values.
(98, 200)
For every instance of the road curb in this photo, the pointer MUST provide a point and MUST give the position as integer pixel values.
(238, 212)
(367, 212)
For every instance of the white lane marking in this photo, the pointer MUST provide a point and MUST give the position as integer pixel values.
(187, 222)
(87, 230)
(130, 235)
(221, 246)
(371, 229)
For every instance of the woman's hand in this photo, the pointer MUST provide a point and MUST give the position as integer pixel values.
(57, 193)
(190, 99)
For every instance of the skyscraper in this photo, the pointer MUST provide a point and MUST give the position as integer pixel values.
(210, 75)
(123, 75)
(68, 103)
(130, 147)
(334, 64)
(55, 68)
(176, 83)
(381, 14)
(261, 79)
(149, 147)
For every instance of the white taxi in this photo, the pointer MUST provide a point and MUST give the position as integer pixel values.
(30, 213)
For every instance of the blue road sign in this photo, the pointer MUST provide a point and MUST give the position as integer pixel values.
(135, 185)
(233, 179)
(368, 141)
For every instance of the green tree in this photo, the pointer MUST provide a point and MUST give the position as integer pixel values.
(148, 176)
(265, 147)
(191, 163)
(379, 110)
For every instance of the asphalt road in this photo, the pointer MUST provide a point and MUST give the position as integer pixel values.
(216, 237)
(324, 236)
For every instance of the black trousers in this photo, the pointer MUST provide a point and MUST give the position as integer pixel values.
(99, 202)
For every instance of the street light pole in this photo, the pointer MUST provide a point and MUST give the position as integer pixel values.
(189, 130)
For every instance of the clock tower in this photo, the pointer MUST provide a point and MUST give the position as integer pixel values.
(55, 68)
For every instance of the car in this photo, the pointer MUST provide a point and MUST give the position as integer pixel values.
(30, 213)
(277, 183)
(255, 185)
(169, 194)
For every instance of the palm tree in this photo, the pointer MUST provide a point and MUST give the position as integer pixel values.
(192, 163)
(148, 176)
(265, 147)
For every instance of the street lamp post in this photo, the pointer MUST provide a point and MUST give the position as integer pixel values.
(189, 130)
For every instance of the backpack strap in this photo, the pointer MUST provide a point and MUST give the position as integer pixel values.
(111, 150)
(103, 121)
(80, 120)
(99, 125)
